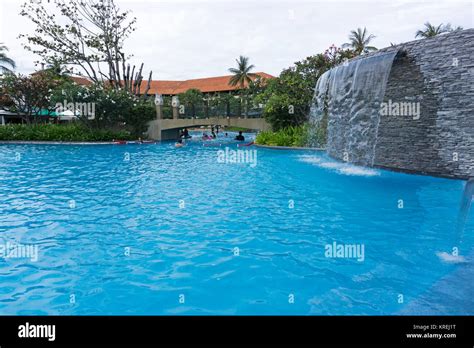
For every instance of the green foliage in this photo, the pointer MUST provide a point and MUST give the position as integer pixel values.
(136, 120)
(28, 95)
(219, 104)
(289, 136)
(113, 108)
(80, 34)
(431, 30)
(297, 136)
(241, 75)
(235, 106)
(192, 100)
(359, 41)
(6, 63)
(287, 99)
(57, 132)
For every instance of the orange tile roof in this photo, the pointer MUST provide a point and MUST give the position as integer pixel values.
(205, 85)
(82, 81)
(167, 87)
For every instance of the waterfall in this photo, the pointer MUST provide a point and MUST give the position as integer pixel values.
(463, 215)
(316, 113)
(350, 95)
(317, 107)
(466, 202)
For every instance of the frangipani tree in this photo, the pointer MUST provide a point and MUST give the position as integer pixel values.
(30, 96)
(88, 35)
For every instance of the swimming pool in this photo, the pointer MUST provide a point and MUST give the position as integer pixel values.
(151, 229)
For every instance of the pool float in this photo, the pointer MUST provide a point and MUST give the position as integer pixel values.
(140, 142)
(248, 144)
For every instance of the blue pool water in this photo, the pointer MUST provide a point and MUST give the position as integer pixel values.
(150, 229)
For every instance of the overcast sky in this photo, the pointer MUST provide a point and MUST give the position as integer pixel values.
(191, 39)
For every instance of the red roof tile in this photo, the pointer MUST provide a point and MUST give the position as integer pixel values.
(82, 81)
(205, 85)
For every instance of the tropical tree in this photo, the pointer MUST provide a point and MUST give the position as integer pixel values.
(86, 35)
(359, 41)
(431, 30)
(221, 103)
(57, 68)
(287, 98)
(241, 74)
(191, 99)
(5, 61)
(253, 90)
(30, 96)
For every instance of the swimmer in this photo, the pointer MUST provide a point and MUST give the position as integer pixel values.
(240, 137)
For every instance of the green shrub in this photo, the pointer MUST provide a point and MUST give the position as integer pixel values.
(55, 132)
(300, 136)
(113, 109)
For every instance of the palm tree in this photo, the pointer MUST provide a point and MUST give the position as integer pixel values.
(430, 30)
(359, 41)
(56, 67)
(242, 76)
(5, 60)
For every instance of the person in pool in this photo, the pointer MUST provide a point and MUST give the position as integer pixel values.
(240, 137)
(179, 143)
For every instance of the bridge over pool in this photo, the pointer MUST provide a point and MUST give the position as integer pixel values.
(168, 129)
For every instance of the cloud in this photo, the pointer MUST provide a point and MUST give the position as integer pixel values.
(184, 39)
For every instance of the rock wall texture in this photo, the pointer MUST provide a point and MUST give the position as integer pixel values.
(435, 75)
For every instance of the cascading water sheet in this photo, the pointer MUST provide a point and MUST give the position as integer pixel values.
(353, 93)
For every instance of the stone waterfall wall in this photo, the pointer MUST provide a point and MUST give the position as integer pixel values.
(437, 73)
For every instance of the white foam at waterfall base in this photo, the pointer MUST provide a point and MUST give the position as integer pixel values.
(449, 258)
(339, 167)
